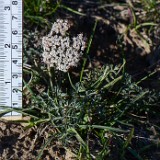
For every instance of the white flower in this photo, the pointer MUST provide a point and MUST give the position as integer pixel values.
(61, 51)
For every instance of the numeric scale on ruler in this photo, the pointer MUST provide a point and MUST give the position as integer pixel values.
(11, 56)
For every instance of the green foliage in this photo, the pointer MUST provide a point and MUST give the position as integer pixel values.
(39, 12)
(100, 103)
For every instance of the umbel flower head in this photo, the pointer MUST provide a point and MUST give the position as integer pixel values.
(60, 50)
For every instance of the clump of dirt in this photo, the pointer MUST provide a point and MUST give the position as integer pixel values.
(16, 142)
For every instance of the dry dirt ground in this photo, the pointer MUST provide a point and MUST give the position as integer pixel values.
(20, 143)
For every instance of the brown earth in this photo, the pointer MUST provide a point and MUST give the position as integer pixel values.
(19, 143)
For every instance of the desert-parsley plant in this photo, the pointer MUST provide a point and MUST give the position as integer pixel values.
(60, 50)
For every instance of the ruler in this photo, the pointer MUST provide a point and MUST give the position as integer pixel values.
(11, 55)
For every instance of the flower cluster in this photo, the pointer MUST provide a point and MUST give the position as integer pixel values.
(60, 50)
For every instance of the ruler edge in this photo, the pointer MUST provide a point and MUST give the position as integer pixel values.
(18, 117)
(15, 118)
(11, 118)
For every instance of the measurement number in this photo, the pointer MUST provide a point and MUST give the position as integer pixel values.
(7, 8)
(15, 90)
(14, 2)
(9, 46)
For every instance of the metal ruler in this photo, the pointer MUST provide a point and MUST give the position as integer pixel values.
(11, 55)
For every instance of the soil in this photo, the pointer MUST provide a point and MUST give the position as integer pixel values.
(20, 143)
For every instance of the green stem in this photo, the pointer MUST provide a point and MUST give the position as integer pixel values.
(50, 79)
(88, 49)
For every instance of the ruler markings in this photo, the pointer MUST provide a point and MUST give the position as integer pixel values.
(11, 54)
(6, 23)
(5, 61)
(11, 58)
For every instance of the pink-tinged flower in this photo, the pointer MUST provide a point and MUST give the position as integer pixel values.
(61, 51)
